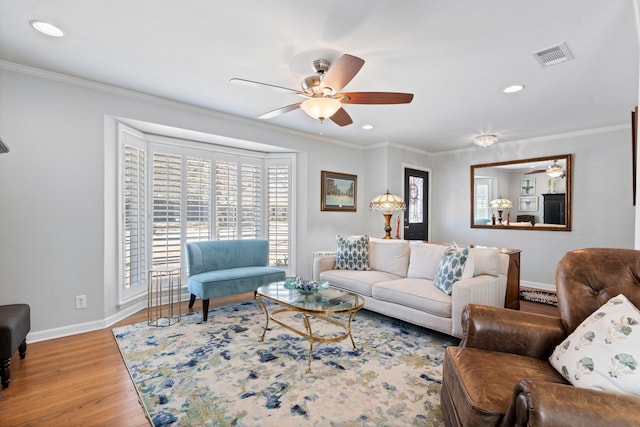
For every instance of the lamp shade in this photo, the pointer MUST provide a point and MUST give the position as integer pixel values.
(321, 108)
(500, 203)
(387, 203)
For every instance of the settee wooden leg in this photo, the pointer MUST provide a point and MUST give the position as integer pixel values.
(22, 350)
(6, 372)
(192, 300)
(205, 309)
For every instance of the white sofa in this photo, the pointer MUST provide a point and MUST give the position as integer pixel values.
(400, 283)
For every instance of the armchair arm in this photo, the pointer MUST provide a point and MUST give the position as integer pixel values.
(552, 404)
(511, 331)
(322, 261)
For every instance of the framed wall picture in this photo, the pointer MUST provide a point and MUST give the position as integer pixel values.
(338, 192)
(528, 186)
(528, 204)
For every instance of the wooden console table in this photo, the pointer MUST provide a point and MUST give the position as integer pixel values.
(512, 296)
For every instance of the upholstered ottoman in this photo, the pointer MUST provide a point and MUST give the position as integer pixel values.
(15, 323)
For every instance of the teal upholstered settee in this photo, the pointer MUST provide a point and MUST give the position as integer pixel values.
(219, 268)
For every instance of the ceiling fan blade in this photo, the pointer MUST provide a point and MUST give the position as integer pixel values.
(535, 171)
(375, 97)
(341, 72)
(341, 118)
(279, 111)
(253, 83)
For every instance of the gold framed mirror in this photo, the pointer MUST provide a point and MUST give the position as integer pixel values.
(527, 194)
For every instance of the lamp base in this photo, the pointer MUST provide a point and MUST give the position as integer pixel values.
(387, 225)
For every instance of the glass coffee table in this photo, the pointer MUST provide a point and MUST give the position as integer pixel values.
(323, 316)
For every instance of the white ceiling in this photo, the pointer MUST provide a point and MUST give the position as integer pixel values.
(455, 56)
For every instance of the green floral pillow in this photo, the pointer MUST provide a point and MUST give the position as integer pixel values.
(604, 351)
(352, 253)
(451, 268)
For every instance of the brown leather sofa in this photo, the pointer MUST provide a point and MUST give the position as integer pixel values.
(500, 375)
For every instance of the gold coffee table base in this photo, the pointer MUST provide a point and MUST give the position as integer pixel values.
(321, 306)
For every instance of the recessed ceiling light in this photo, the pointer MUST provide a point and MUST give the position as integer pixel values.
(513, 88)
(47, 28)
(367, 127)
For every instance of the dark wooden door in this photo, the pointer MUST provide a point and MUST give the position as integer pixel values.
(416, 197)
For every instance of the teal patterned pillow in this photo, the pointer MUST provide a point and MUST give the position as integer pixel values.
(451, 268)
(352, 253)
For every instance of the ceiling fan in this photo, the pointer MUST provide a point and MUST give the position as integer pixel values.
(322, 90)
(554, 171)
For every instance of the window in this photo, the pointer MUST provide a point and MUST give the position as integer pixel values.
(198, 200)
(482, 196)
(278, 214)
(134, 216)
(188, 193)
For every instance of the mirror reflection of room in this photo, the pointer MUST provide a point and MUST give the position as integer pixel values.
(530, 193)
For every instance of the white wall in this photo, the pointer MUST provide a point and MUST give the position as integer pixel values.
(58, 199)
(603, 214)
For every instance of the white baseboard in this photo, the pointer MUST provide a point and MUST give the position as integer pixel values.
(542, 286)
(49, 334)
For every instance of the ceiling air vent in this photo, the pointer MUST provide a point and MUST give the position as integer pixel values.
(553, 55)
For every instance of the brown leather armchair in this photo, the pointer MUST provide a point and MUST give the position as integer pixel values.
(500, 375)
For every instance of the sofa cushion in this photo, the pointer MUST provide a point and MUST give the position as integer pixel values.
(425, 259)
(451, 268)
(420, 294)
(352, 253)
(219, 283)
(391, 256)
(359, 282)
(603, 352)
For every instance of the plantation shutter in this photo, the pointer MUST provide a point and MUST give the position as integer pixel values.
(167, 214)
(226, 203)
(198, 200)
(134, 214)
(278, 218)
(482, 194)
(251, 202)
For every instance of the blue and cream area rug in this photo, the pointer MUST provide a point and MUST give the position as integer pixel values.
(218, 373)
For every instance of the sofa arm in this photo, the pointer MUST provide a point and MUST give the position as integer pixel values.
(551, 404)
(483, 289)
(322, 261)
(510, 331)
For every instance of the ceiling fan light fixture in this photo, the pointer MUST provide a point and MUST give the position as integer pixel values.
(555, 170)
(485, 140)
(321, 108)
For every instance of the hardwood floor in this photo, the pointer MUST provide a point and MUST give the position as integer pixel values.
(81, 380)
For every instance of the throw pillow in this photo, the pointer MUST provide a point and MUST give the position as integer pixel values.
(352, 253)
(485, 261)
(424, 260)
(451, 268)
(390, 256)
(603, 352)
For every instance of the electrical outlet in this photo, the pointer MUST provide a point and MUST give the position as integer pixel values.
(81, 301)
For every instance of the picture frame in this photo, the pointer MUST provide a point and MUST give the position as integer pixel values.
(338, 192)
(528, 186)
(528, 203)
